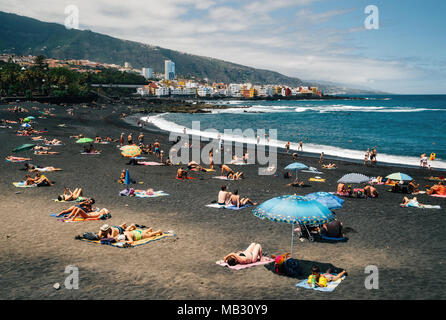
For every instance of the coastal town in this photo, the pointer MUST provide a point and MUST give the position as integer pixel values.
(170, 84)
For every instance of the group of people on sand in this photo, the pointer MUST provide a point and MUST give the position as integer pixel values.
(369, 191)
(127, 234)
(370, 156)
(229, 173)
(39, 180)
(84, 210)
(232, 198)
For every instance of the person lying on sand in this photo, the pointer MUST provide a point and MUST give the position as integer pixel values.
(79, 136)
(370, 191)
(68, 195)
(41, 148)
(107, 231)
(44, 152)
(52, 142)
(321, 280)
(39, 180)
(168, 162)
(329, 166)
(252, 254)
(101, 214)
(12, 158)
(235, 175)
(413, 188)
(194, 165)
(438, 188)
(296, 183)
(97, 139)
(33, 168)
(86, 206)
(136, 235)
(235, 200)
(181, 174)
(90, 149)
(411, 202)
(225, 168)
(37, 138)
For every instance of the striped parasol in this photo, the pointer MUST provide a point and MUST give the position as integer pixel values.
(131, 151)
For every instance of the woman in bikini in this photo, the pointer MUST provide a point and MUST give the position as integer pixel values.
(86, 206)
(45, 152)
(136, 235)
(236, 201)
(107, 231)
(70, 196)
(252, 254)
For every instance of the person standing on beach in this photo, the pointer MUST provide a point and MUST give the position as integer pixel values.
(300, 146)
(373, 157)
(321, 159)
(130, 139)
(211, 160)
(287, 146)
(141, 138)
(366, 156)
(122, 139)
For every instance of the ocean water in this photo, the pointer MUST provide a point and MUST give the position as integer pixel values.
(401, 127)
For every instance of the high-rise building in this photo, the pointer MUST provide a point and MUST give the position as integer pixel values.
(147, 73)
(169, 70)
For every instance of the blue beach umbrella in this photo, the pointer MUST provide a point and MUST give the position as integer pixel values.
(26, 125)
(31, 117)
(293, 209)
(296, 166)
(329, 200)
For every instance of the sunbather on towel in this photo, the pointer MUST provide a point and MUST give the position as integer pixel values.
(225, 168)
(86, 206)
(44, 152)
(195, 165)
(235, 175)
(235, 200)
(68, 195)
(438, 188)
(181, 174)
(52, 142)
(296, 183)
(41, 148)
(321, 280)
(329, 166)
(411, 202)
(252, 254)
(224, 196)
(39, 180)
(136, 235)
(371, 191)
(33, 168)
(107, 231)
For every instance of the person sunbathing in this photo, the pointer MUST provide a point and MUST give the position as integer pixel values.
(329, 166)
(235, 175)
(39, 180)
(68, 195)
(252, 254)
(168, 162)
(41, 148)
(332, 229)
(181, 174)
(101, 214)
(33, 168)
(86, 206)
(377, 180)
(12, 158)
(37, 138)
(341, 189)
(223, 196)
(136, 235)
(235, 200)
(225, 168)
(44, 152)
(411, 203)
(371, 191)
(296, 183)
(97, 139)
(52, 142)
(194, 165)
(413, 188)
(322, 280)
(438, 188)
(107, 231)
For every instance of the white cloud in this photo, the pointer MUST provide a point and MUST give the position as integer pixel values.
(251, 33)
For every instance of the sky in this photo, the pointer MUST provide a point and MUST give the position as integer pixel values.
(309, 39)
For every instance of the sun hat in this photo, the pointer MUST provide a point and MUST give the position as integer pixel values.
(105, 227)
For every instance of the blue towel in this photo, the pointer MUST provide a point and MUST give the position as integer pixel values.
(331, 286)
(332, 239)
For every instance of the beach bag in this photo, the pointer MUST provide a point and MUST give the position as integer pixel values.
(90, 236)
(292, 268)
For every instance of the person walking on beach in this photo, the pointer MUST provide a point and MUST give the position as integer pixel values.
(122, 139)
(287, 146)
(300, 146)
(321, 159)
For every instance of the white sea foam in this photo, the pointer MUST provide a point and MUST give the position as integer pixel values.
(170, 126)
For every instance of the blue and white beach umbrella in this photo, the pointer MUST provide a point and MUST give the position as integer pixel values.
(327, 199)
(296, 166)
(26, 125)
(293, 209)
(354, 178)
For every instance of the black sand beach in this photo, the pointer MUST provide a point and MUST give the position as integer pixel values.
(406, 244)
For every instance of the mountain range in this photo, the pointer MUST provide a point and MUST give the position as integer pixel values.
(23, 36)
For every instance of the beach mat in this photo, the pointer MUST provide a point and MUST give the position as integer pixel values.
(316, 180)
(79, 219)
(426, 206)
(22, 184)
(438, 195)
(80, 199)
(223, 178)
(331, 286)
(150, 163)
(244, 266)
(90, 153)
(230, 207)
(136, 243)
(142, 194)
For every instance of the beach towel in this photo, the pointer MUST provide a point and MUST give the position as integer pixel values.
(22, 184)
(419, 192)
(230, 207)
(150, 163)
(136, 243)
(79, 199)
(143, 194)
(426, 206)
(331, 286)
(239, 163)
(438, 195)
(316, 179)
(188, 178)
(244, 266)
(90, 153)
(78, 219)
(312, 170)
(223, 178)
(340, 239)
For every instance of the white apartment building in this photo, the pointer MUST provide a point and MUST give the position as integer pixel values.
(204, 91)
(162, 91)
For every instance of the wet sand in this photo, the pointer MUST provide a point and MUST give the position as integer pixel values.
(406, 244)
